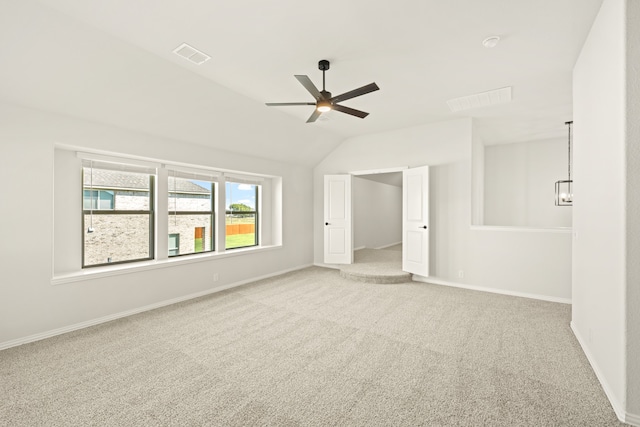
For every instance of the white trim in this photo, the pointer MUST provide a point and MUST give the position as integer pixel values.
(116, 270)
(243, 178)
(192, 173)
(632, 419)
(436, 281)
(618, 407)
(388, 246)
(359, 247)
(123, 158)
(92, 157)
(323, 265)
(377, 171)
(521, 229)
(59, 331)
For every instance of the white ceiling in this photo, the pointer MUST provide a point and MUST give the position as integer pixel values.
(420, 52)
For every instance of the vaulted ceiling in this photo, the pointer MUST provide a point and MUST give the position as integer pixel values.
(113, 61)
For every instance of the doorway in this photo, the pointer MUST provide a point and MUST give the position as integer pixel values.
(391, 209)
(363, 218)
(377, 210)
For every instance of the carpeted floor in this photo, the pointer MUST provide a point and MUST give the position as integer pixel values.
(311, 348)
(376, 266)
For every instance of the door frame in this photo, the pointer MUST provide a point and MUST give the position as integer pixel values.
(377, 171)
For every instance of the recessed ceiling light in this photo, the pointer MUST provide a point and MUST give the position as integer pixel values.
(490, 42)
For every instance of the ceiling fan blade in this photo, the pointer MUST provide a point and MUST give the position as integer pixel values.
(356, 92)
(351, 111)
(314, 116)
(283, 104)
(308, 85)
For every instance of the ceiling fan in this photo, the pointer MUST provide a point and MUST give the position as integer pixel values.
(324, 101)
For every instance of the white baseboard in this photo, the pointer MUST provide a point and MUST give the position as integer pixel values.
(437, 281)
(104, 319)
(618, 408)
(632, 419)
(379, 247)
(388, 246)
(323, 265)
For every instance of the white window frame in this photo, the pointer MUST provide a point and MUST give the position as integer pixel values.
(66, 248)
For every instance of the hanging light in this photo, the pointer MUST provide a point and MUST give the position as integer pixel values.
(564, 190)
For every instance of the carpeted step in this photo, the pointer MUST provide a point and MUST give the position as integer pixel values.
(388, 278)
(376, 266)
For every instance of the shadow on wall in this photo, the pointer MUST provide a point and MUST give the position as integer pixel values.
(449, 217)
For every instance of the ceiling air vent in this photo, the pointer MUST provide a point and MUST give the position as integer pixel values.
(191, 53)
(483, 99)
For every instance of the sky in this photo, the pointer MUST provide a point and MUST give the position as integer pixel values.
(236, 193)
(241, 193)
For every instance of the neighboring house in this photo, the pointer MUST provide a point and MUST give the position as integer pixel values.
(117, 204)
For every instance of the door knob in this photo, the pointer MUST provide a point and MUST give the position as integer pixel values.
(326, 223)
(424, 226)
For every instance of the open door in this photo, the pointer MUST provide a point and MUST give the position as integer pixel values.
(338, 229)
(415, 220)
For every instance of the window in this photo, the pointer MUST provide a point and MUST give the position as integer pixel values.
(241, 215)
(99, 199)
(174, 244)
(117, 213)
(191, 212)
(133, 206)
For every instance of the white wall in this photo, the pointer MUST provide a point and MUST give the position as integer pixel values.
(633, 208)
(605, 213)
(513, 261)
(519, 184)
(377, 213)
(31, 305)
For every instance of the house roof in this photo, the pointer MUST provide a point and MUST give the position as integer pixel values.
(101, 178)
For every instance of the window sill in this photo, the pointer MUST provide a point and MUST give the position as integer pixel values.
(116, 270)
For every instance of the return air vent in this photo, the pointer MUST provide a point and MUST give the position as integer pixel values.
(483, 99)
(191, 53)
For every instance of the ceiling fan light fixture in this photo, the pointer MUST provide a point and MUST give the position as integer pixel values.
(324, 106)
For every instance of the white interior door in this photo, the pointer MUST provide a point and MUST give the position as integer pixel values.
(338, 229)
(415, 220)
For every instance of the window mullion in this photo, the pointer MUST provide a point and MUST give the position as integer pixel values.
(221, 218)
(162, 214)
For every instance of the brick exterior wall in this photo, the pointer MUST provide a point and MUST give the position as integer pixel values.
(124, 237)
(116, 237)
(185, 226)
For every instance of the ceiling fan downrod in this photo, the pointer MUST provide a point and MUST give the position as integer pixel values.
(324, 65)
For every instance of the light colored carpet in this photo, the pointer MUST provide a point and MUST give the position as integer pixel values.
(310, 348)
(383, 266)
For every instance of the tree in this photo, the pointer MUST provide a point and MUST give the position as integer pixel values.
(239, 207)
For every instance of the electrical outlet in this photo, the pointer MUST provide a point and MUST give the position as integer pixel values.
(215, 277)
(460, 274)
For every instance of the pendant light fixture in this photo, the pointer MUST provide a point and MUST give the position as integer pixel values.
(564, 190)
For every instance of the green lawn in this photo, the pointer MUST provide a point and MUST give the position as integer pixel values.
(240, 240)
